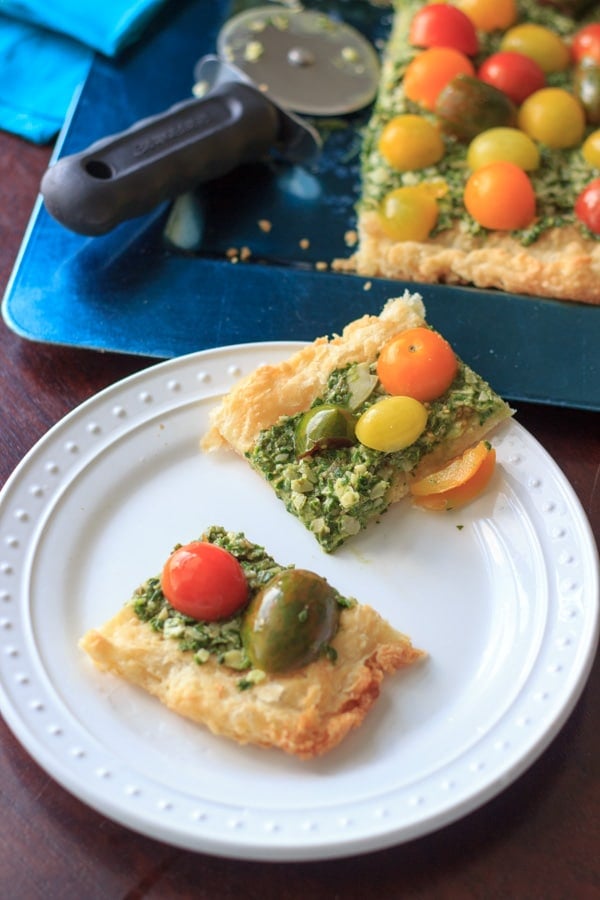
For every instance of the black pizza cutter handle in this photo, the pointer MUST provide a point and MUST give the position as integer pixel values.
(129, 174)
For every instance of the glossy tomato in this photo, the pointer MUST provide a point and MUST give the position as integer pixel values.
(417, 363)
(591, 149)
(554, 117)
(204, 581)
(461, 481)
(586, 43)
(500, 197)
(490, 15)
(392, 424)
(409, 213)
(430, 71)
(439, 25)
(411, 142)
(508, 144)
(515, 74)
(587, 206)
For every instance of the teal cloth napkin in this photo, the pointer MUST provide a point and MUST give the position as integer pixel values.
(46, 49)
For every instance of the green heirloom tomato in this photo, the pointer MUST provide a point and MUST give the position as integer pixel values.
(468, 106)
(322, 428)
(290, 621)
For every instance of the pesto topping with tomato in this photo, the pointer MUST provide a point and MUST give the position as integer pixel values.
(221, 639)
(337, 491)
(288, 627)
(557, 182)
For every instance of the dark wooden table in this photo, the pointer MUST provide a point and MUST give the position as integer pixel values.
(538, 839)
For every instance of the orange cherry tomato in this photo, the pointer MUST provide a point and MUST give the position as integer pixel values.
(500, 197)
(204, 581)
(440, 25)
(586, 43)
(417, 363)
(429, 73)
(459, 482)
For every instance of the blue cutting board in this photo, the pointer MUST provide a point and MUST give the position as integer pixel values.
(143, 289)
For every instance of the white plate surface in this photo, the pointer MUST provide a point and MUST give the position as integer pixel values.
(503, 595)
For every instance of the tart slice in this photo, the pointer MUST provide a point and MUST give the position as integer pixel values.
(296, 667)
(310, 425)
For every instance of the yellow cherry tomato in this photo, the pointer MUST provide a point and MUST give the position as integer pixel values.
(459, 482)
(408, 213)
(490, 15)
(553, 117)
(503, 144)
(591, 149)
(411, 142)
(391, 424)
(541, 44)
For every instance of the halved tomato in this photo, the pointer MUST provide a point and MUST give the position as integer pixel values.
(463, 479)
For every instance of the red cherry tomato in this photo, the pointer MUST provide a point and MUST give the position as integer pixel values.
(587, 206)
(438, 25)
(515, 74)
(204, 581)
(586, 43)
(417, 363)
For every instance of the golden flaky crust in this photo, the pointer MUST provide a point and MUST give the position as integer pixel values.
(561, 264)
(289, 387)
(305, 713)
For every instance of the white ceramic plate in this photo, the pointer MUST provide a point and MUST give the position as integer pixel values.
(503, 595)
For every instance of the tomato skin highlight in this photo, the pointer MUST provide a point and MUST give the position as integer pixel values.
(417, 363)
(587, 206)
(461, 481)
(204, 581)
(500, 197)
(515, 74)
(586, 43)
(439, 25)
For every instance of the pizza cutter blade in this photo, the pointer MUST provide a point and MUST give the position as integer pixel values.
(270, 60)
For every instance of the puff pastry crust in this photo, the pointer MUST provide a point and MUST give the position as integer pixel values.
(305, 713)
(271, 392)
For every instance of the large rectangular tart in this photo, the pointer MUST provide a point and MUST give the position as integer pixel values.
(336, 493)
(555, 256)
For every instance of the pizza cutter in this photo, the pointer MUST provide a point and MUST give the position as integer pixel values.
(271, 60)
